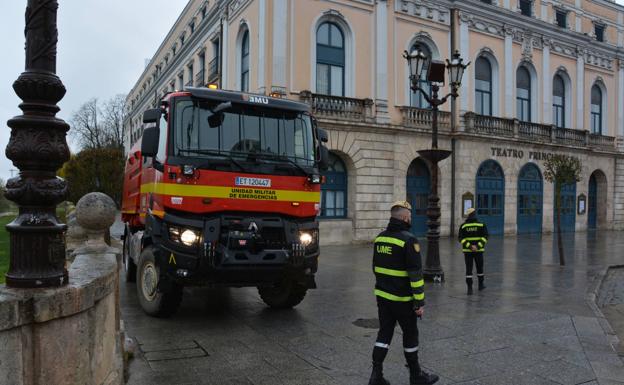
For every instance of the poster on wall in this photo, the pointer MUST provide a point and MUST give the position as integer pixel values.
(581, 204)
(467, 202)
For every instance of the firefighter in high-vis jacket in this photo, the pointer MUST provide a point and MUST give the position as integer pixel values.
(400, 293)
(473, 236)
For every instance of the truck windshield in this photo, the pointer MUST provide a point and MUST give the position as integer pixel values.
(267, 132)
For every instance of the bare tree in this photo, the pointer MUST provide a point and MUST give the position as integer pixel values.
(561, 170)
(85, 125)
(96, 127)
(113, 114)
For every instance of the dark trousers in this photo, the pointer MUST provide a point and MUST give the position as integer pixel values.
(390, 313)
(478, 260)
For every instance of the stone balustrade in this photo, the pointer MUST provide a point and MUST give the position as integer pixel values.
(421, 118)
(535, 132)
(70, 334)
(338, 107)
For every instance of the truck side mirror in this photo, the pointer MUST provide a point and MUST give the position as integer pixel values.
(152, 116)
(149, 142)
(323, 163)
(322, 135)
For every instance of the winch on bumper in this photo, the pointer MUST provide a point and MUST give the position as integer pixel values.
(235, 250)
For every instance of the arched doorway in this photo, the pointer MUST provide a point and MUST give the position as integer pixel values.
(491, 196)
(418, 187)
(596, 200)
(530, 199)
(568, 208)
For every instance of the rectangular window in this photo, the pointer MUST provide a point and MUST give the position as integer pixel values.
(599, 30)
(562, 18)
(336, 81)
(526, 7)
(322, 79)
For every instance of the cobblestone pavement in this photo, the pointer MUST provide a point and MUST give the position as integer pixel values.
(531, 325)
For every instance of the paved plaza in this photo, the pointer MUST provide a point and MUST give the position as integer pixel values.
(532, 325)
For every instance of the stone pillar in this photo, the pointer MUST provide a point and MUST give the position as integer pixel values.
(464, 50)
(262, 7)
(580, 89)
(280, 41)
(381, 61)
(38, 148)
(620, 101)
(225, 50)
(510, 74)
(547, 82)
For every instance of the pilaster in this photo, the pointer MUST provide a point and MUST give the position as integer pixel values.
(381, 61)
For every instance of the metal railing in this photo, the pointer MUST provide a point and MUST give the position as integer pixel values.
(199, 78)
(422, 118)
(338, 107)
(535, 132)
(213, 70)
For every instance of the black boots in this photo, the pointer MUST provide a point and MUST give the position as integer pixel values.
(469, 284)
(420, 377)
(377, 377)
(481, 285)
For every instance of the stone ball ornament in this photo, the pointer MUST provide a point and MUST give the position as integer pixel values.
(95, 213)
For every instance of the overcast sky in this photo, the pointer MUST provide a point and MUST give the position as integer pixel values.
(102, 50)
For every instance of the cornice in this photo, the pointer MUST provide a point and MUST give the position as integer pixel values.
(438, 11)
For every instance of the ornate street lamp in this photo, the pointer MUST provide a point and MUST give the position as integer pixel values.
(38, 148)
(422, 67)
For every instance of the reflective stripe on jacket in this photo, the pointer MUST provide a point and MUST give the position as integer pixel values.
(397, 266)
(473, 232)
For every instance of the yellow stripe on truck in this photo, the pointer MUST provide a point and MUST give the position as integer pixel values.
(182, 190)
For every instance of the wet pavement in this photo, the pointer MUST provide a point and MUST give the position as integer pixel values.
(532, 325)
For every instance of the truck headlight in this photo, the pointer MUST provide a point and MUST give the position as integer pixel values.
(187, 237)
(305, 238)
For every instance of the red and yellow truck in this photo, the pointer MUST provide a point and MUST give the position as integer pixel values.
(223, 189)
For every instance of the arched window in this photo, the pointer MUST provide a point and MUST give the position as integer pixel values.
(416, 98)
(244, 74)
(483, 87)
(559, 101)
(596, 110)
(330, 60)
(334, 190)
(523, 94)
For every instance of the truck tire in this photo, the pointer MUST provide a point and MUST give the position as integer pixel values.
(129, 267)
(284, 295)
(155, 302)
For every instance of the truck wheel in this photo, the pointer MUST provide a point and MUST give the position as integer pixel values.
(153, 301)
(284, 295)
(128, 264)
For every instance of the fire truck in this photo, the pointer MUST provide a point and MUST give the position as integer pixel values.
(223, 189)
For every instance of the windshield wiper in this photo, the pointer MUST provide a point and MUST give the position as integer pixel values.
(281, 158)
(218, 153)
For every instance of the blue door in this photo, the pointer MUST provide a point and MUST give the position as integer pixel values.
(418, 189)
(568, 208)
(530, 199)
(490, 202)
(592, 203)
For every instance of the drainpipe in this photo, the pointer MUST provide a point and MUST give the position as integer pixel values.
(453, 125)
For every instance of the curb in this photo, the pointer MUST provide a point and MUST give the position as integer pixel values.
(592, 298)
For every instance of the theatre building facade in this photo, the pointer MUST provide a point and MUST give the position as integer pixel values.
(546, 77)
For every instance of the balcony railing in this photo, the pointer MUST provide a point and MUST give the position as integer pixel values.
(199, 78)
(535, 132)
(338, 107)
(421, 118)
(213, 70)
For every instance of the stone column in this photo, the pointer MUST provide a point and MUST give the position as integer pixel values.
(464, 50)
(280, 39)
(262, 6)
(38, 148)
(225, 54)
(580, 88)
(510, 74)
(620, 101)
(547, 82)
(381, 61)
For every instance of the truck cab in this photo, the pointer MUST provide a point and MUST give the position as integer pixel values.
(224, 190)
